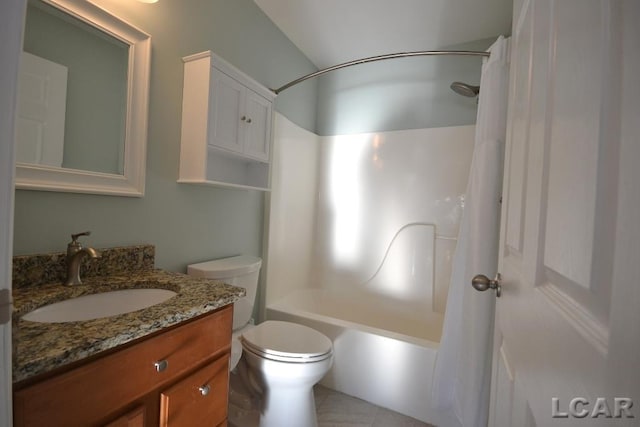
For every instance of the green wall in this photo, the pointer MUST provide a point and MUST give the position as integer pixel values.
(186, 223)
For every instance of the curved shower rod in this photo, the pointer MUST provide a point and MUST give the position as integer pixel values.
(379, 58)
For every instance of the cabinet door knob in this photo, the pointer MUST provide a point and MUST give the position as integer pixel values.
(243, 118)
(205, 389)
(161, 365)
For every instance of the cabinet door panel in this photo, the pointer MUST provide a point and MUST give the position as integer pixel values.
(227, 128)
(133, 418)
(198, 400)
(258, 130)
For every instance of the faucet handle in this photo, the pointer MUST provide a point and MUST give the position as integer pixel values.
(74, 237)
(74, 245)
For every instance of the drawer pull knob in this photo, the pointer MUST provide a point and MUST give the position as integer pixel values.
(161, 365)
(205, 389)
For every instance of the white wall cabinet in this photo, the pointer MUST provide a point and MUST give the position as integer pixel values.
(226, 125)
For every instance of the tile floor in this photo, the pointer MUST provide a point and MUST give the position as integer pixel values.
(335, 409)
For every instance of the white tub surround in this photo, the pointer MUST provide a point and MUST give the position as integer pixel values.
(362, 230)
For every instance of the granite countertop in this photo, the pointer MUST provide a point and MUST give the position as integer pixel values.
(42, 347)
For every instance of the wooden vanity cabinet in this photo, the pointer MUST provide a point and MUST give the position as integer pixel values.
(176, 378)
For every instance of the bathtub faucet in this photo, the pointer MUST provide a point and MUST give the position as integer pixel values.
(75, 254)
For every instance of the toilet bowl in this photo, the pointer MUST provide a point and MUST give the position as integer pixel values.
(274, 365)
(286, 360)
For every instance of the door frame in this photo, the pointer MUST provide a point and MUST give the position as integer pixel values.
(12, 14)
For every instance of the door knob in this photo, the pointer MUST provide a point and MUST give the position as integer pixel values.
(481, 283)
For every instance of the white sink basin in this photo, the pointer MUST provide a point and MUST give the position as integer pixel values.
(95, 306)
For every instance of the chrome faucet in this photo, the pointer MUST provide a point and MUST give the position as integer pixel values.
(75, 254)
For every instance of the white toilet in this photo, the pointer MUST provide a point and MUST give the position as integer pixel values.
(278, 362)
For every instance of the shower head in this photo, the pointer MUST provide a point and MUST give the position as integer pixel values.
(465, 89)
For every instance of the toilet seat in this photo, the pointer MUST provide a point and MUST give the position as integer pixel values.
(287, 342)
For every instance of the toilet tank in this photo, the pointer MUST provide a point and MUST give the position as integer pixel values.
(242, 271)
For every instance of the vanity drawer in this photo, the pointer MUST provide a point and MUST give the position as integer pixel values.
(85, 395)
(198, 400)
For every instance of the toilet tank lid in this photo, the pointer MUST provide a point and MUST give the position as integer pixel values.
(225, 267)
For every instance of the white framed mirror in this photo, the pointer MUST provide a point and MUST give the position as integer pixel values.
(83, 101)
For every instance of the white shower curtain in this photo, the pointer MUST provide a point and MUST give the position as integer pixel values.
(462, 375)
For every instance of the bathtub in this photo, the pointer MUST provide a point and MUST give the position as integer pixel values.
(382, 355)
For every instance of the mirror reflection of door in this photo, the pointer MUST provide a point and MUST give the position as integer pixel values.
(93, 112)
(41, 111)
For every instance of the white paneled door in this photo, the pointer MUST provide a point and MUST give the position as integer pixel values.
(567, 330)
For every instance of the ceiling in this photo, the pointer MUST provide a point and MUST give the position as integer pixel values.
(330, 32)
